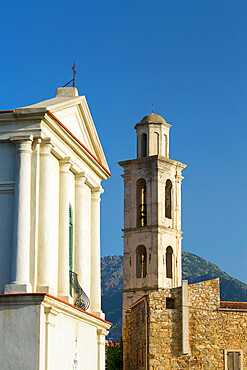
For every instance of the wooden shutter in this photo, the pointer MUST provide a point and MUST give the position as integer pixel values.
(234, 360)
(70, 244)
(237, 357)
(230, 360)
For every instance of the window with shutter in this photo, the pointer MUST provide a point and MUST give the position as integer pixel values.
(70, 244)
(233, 360)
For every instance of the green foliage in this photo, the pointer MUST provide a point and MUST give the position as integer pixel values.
(114, 356)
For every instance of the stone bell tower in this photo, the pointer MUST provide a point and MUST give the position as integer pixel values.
(152, 213)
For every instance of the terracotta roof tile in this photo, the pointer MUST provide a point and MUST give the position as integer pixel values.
(234, 305)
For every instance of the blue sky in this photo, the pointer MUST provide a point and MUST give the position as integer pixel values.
(188, 57)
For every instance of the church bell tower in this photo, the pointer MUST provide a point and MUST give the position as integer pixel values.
(152, 213)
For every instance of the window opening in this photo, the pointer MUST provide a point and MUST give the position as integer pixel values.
(141, 195)
(165, 146)
(170, 303)
(169, 253)
(141, 262)
(143, 145)
(168, 199)
(156, 143)
(233, 360)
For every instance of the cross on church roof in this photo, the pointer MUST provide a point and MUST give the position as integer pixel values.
(74, 73)
(152, 107)
(73, 79)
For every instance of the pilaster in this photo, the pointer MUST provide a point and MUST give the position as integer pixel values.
(83, 231)
(95, 291)
(101, 333)
(20, 269)
(45, 201)
(63, 250)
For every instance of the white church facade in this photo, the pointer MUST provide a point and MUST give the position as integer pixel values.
(51, 168)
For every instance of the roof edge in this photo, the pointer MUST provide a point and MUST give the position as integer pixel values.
(57, 299)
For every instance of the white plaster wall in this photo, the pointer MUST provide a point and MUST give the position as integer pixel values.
(65, 335)
(7, 178)
(36, 335)
(19, 341)
(54, 222)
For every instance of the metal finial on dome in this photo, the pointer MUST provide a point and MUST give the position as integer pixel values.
(152, 107)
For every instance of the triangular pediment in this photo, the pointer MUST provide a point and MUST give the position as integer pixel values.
(78, 120)
(73, 112)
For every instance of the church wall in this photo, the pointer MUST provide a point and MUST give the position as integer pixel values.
(19, 328)
(39, 332)
(7, 179)
(66, 333)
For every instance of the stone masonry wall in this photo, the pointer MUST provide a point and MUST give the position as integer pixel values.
(211, 330)
(134, 338)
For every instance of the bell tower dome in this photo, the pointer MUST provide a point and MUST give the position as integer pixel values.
(152, 213)
(152, 136)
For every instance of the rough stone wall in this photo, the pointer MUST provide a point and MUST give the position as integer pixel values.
(134, 338)
(211, 330)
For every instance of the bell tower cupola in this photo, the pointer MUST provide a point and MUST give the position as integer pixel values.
(152, 136)
(152, 213)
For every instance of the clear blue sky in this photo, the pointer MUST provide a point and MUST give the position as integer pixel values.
(188, 57)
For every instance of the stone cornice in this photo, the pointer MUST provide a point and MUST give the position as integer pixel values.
(54, 305)
(152, 229)
(156, 159)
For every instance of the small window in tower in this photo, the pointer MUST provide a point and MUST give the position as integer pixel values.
(149, 257)
(168, 199)
(170, 303)
(169, 253)
(156, 143)
(165, 146)
(143, 145)
(130, 261)
(141, 262)
(141, 211)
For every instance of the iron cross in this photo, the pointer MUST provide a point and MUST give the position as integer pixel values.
(74, 73)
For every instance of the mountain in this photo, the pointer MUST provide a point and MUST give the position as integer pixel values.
(195, 269)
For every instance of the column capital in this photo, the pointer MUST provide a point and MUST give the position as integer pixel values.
(96, 193)
(46, 146)
(23, 143)
(97, 190)
(80, 178)
(65, 164)
(102, 332)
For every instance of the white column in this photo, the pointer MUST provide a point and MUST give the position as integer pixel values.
(95, 294)
(101, 348)
(83, 232)
(63, 252)
(20, 271)
(45, 230)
